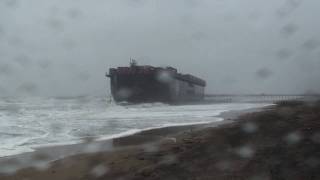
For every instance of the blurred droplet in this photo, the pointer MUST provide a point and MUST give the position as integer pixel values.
(92, 147)
(3, 91)
(289, 29)
(165, 77)
(192, 3)
(245, 152)
(224, 165)
(263, 73)
(83, 76)
(151, 148)
(10, 167)
(22, 60)
(284, 54)
(311, 44)
(316, 138)
(259, 177)
(288, 7)
(249, 127)
(136, 3)
(74, 13)
(312, 162)
(69, 44)
(11, 3)
(44, 64)
(199, 36)
(2, 32)
(99, 171)
(5, 69)
(124, 93)
(40, 162)
(15, 41)
(28, 88)
(56, 128)
(56, 24)
(293, 138)
(169, 159)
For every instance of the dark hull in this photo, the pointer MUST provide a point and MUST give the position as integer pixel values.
(155, 86)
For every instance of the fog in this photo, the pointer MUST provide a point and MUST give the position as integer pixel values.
(64, 47)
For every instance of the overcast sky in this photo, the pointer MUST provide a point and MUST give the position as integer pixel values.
(64, 47)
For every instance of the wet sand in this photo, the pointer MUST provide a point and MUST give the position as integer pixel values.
(281, 142)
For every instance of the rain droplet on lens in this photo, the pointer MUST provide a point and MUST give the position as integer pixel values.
(151, 148)
(311, 44)
(124, 93)
(316, 137)
(245, 152)
(249, 128)
(5, 69)
(199, 36)
(2, 32)
(15, 41)
(74, 13)
(22, 60)
(224, 165)
(11, 3)
(169, 159)
(56, 24)
(263, 73)
(3, 91)
(293, 138)
(69, 43)
(40, 161)
(92, 147)
(289, 29)
(312, 162)
(28, 88)
(284, 54)
(83, 76)
(164, 77)
(99, 171)
(44, 64)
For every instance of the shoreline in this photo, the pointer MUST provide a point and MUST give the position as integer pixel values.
(280, 142)
(97, 145)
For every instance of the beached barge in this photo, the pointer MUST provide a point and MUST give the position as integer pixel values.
(140, 84)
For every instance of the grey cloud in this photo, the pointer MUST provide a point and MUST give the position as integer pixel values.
(63, 47)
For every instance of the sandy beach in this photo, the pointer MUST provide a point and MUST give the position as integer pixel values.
(279, 142)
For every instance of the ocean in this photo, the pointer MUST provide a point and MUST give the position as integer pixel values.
(28, 123)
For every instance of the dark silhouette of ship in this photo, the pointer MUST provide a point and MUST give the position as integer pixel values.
(147, 84)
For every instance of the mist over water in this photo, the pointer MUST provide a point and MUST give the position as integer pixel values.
(34, 122)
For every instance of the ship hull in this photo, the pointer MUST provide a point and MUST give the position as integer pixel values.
(156, 85)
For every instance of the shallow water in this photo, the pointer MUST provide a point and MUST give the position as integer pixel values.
(26, 123)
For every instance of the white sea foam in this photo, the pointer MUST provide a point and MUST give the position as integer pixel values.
(26, 123)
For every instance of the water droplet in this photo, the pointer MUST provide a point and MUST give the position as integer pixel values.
(293, 138)
(245, 152)
(99, 171)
